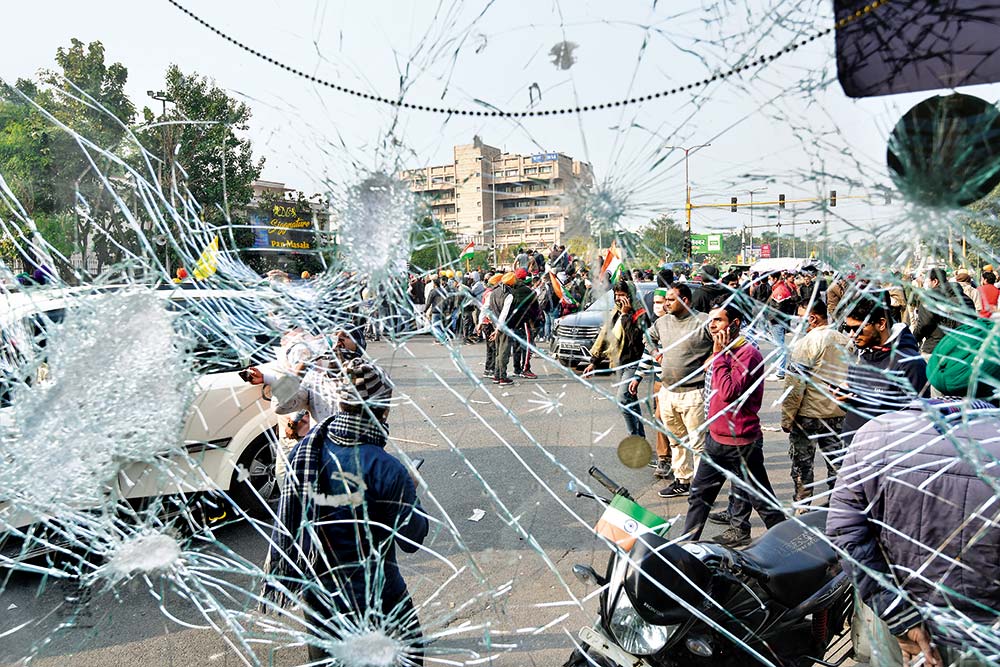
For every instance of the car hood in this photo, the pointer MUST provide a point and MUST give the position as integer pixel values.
(586, 318)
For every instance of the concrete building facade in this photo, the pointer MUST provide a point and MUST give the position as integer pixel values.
(489, 196)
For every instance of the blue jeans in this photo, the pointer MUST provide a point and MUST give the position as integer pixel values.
(629, 403)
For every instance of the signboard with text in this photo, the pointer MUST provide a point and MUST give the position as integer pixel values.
(285, 226)
(765, 250)
(706, 244)
(545, 157)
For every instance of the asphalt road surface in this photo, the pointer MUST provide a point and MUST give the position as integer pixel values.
(502, 583)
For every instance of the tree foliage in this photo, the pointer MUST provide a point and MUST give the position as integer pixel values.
(203, 136)
(52, 174)
(434, 246)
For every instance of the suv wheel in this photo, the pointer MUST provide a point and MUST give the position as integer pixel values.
(255, 481)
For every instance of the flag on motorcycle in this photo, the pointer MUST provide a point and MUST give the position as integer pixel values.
(624, 521)
(613, 263)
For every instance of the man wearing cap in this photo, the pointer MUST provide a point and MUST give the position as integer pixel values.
(964, 281)
(914, 511)
(346, 505)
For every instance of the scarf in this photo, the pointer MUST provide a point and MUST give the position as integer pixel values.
(292, 555)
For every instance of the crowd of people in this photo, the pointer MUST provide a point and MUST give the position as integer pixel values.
(857, 360)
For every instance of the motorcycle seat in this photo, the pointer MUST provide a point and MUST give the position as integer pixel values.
(797, 562)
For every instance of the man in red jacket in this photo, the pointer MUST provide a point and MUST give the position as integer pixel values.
(734, 441)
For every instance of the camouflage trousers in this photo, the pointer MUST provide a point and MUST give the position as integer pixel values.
(808, 433)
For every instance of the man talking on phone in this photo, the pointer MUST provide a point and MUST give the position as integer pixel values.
(734, 442)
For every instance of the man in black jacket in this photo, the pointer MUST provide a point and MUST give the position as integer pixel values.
(712, 293)
(890, 371)
(942, 308)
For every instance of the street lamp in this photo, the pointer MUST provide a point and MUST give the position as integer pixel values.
(687, 188)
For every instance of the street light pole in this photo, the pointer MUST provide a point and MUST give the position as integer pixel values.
(752, 193)
(687, 189)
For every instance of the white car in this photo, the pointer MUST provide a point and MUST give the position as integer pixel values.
(230, 432)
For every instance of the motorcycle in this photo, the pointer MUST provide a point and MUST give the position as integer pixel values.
(783, 600)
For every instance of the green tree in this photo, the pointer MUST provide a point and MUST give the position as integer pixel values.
(207, 136)
(984, 219)
(433, 246)
(53, 176)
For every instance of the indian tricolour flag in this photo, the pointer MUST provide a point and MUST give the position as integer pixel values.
(469, 251)
(624, 521)
(557, 289)
(613, 263)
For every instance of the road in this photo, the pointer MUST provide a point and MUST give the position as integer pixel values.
(514, 453)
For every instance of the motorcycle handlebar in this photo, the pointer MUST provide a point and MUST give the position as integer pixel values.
(608, 483)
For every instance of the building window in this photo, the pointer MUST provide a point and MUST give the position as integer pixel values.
(458, 210)
(479, 203)
(531, 170)
(457, 195)
(511, 172)
(478, 189)
(479, 217)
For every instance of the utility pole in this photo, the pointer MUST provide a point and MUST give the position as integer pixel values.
(749, 258)
(687, 188)
(163, 97)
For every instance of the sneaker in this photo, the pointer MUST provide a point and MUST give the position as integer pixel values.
(528, 375)
(722, 518)
(496, 380)
(675, 490)
(733, 538)
(488, 374)
(662, 469)
(503, 382)
(774, 377)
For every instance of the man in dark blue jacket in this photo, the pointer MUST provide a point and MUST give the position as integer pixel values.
(346, 506)
(889, 372)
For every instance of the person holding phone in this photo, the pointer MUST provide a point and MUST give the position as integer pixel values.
(734, 442)
(621, 342)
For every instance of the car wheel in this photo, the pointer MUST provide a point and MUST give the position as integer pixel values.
(255, 480)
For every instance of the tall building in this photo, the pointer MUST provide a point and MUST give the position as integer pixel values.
(488, 196)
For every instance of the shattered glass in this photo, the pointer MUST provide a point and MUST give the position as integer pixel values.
(143, 473)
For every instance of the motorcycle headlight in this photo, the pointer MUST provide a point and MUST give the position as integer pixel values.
(634, 634)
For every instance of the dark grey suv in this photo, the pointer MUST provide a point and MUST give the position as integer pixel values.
(574, 335)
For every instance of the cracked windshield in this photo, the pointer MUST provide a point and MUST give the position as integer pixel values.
(463, 332)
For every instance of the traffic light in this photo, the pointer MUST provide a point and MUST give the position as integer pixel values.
(833, 198)
(732, 205)
(781, 201)
(687, 246)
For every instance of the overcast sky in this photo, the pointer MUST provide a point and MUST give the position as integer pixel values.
(788, 126)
